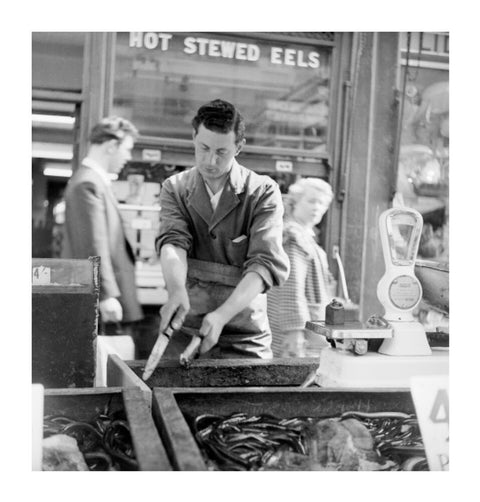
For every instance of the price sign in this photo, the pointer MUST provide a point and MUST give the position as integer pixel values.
(430, 396)
(141, 224)
(151, 155)
(41, 276)
(284, 166)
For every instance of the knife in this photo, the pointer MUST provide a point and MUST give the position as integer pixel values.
(157, 352)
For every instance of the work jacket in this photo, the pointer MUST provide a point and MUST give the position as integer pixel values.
(244, 231)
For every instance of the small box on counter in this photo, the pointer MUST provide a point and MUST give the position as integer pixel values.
(334, 313)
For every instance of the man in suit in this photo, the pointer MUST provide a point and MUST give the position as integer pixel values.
(93, 224)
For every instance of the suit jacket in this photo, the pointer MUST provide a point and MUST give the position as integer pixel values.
(94, 227)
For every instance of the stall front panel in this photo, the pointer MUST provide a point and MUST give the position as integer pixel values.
(212, 372)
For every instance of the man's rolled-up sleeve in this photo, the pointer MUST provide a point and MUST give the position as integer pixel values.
(266, 255)
(173, 222)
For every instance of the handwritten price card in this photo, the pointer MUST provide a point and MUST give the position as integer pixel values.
(430, 396)
(41, 276)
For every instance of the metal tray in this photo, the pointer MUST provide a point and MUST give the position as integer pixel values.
(175, 409)
(85, 403)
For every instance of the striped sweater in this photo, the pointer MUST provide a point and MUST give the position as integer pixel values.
(308, 289)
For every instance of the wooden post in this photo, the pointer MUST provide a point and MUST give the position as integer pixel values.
(97, 84)
(370, 170)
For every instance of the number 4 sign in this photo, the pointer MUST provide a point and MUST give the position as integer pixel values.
(41, 276)
(430, 396)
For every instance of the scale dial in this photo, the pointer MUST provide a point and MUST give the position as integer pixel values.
(405, 292)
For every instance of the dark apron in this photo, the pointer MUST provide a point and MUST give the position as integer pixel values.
(248, 333)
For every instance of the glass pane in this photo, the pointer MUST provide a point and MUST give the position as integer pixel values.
(423, 174)
(423, 170)
(403, 238)
(161, 79)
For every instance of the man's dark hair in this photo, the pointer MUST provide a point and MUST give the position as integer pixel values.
(112, 128)
(220, 116)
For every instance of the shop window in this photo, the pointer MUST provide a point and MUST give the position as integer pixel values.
(281, 88)
(423, 170)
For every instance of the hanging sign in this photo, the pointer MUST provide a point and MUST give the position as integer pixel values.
(427, 43)
(141, 224)
(284, 166)
(226, 49)
(150, 155)
(430, 396)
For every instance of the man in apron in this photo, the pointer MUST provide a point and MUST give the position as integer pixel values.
(220, 242)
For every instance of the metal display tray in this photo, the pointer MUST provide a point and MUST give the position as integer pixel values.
(83, 404)
(175, 409)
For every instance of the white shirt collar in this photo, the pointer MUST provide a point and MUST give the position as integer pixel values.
(95, 166)
(214, 198)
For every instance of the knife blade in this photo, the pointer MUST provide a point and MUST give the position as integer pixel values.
(157, 352)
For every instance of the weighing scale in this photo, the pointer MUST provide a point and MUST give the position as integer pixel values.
(405, 351)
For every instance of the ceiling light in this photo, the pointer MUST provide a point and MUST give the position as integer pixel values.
(57, 171)
(53, 119)
(55, 151)
(61, 170)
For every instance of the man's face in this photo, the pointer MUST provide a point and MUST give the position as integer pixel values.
(121, 153)
(214, 152)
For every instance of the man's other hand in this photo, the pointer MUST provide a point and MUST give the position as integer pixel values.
(210, 330)
(111, 310)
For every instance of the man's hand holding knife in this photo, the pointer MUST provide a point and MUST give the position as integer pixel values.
(172, 316)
